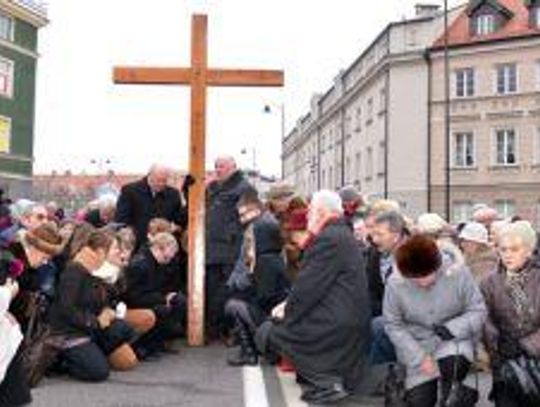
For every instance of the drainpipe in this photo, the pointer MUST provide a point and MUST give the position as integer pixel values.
(342, 124)
(427, 57)
(386, 130)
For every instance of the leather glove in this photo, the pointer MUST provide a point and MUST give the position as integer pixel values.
(443, 332)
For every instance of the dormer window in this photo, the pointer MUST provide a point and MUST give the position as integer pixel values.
(485, 24)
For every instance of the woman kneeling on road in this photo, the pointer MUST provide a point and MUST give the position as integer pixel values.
(433, 313)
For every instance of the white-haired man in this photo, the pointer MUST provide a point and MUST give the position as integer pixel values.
(149, 198)
(324, 325)
(104, 213)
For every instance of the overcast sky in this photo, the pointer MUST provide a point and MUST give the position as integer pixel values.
(82, 117)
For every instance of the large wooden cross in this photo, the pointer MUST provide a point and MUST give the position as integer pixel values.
(198, 77)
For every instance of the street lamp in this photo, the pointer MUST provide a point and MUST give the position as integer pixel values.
(447, 112)
(268, 110)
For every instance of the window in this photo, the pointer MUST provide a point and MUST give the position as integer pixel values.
(506, 147)
(465, 82)
(369, 163)
(330, 178)
(506, 208)
(370, 108)
(462, 211)
(538, 215)
(382, 100)
(506, 79)
(485, 24)
(463, 150)
(358, 166)
(6, 27)
(6, 77)
(536, 154)
(358, 119)
(537, 16)
(381, 160)
(5, 134)
(347, 169)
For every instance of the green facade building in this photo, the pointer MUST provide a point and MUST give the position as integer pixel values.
(20, 21)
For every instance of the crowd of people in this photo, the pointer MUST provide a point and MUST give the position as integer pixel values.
(327, 286)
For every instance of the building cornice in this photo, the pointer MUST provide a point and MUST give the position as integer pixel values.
(16, 157)
(15, 176)
(14, 47)
(25, 11)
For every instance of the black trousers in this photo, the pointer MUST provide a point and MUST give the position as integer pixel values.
(426, 394)
(14, 390)
(86, 362)
(217, 295)
(251, 315)
(503, 397)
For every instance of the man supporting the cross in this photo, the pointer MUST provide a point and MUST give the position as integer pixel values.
(198, 77)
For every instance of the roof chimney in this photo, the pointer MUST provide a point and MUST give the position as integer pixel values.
(426, 9)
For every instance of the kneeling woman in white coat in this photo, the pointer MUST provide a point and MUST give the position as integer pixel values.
(433, 313)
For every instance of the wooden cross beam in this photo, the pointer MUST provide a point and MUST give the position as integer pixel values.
(198, 77)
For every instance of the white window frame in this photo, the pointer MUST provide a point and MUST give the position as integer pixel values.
(536, 154)
(495, 147)
(468, 83)
(506, 204)
(464, 164)
(484, 24)
(11, 34)
(10, 75)
(369, 163)
(506, 79)
(465, 209)
(381, 158)
(10, 133)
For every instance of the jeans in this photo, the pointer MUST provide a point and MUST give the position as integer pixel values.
(86, 362)
(381, 350)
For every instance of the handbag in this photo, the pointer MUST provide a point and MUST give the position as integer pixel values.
(39, 348)
(461, 395)
(522, 375)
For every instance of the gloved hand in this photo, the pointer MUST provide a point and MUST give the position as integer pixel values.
(443, 332)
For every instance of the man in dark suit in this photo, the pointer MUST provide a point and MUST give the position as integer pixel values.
(149, 198)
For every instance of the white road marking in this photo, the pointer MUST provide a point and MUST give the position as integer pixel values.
(291, 389)
(254, 387)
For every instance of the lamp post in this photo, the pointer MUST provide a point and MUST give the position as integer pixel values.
(447, 113)
(281, 107)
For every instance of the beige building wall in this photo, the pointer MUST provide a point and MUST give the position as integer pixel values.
(482, 115)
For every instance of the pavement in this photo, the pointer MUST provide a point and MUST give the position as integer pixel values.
(195, 377)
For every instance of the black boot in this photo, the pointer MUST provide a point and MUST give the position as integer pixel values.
(245, 354)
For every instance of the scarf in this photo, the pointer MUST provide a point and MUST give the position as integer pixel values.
(516, 282)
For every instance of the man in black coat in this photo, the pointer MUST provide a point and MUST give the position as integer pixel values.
(149, 198)
(258, 282)
(223, 237)
(324, 325)
(147, 276)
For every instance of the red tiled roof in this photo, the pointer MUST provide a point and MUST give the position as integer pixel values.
(518, 26)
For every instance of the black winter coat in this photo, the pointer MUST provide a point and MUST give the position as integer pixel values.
(223, 228)
(137, 206)
(268, 285)
(146, 281)
(326, 329)
(80, 299)
(375, 283)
